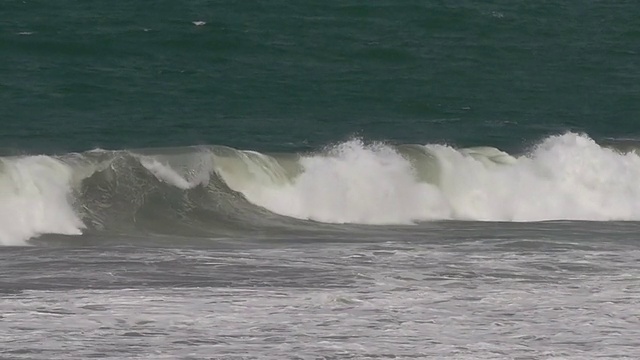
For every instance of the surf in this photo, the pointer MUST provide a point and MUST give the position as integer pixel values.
(211, 191)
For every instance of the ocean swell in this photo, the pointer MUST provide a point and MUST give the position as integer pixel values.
(214, 190)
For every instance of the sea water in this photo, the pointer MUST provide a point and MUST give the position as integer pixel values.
(319, 180)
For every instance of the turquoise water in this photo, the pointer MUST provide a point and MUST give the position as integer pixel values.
(283, 76)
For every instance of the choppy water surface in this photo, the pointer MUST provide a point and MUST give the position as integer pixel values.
(546, 290)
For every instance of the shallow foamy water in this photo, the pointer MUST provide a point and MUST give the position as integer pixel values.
(442, 292)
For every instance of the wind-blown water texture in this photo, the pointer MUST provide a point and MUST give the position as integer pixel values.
(289, 77)
(212, 190)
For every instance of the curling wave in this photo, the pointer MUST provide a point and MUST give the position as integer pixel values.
(216, 190)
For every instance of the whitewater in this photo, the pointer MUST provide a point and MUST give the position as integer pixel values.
(213, 190)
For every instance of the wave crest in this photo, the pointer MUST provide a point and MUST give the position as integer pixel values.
(219, 190)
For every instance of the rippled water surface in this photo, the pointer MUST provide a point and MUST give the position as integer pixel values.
(446, 291)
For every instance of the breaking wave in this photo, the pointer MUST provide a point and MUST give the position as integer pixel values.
(214, 190)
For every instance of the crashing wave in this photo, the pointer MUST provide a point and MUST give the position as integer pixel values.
(213, 189)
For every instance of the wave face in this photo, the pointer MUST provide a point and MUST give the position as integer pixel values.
(216, 190)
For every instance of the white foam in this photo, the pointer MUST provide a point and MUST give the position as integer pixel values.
(164, 172)
(35, 199)
(353, 184)
(565, 177)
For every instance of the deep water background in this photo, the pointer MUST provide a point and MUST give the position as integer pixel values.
(291, 76)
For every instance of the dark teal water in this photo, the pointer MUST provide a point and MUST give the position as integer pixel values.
(288, 76)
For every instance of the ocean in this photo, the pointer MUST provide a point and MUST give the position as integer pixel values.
(319, 179)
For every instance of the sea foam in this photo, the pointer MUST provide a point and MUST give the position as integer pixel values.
(35, 199)
(352, 183)
(565, 177)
